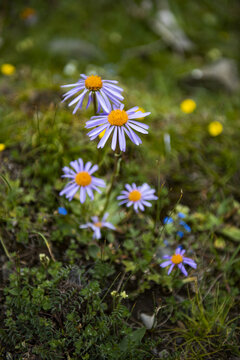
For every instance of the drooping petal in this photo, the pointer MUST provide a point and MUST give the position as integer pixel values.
(104, 139)
(89, 192)
(102, 102)
(170, 269)
(68, 188)
(190, 262)
(78, 98)
(182, 268)
(137, 128)
(114, 138)
(82, 194)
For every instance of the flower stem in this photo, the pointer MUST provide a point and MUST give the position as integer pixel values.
(5, 249)
(94, 103)
(117, 162)
(47, 244)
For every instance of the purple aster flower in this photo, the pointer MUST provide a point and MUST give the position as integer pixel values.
(137, 196)
(96, 225)
(178, 259)
(118, 122)
(81, 178)
(106, 92)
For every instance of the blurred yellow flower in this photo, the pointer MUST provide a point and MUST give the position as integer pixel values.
(142, 110)
(102, 134)
(2, 147)
(188, 106)
(215, 128)
(8, 69)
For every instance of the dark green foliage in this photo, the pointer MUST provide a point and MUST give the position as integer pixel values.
(55, 317)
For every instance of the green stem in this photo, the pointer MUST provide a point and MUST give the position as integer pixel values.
(5, 249)
(159, 188)
(95, 103)
(117, 162)
(47, 244)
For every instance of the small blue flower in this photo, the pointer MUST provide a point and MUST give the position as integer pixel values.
(180, 233)
(181, 215)
(62, 211)
(168, 220)
(186, 226)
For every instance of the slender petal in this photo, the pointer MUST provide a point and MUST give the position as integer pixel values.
(166, 263)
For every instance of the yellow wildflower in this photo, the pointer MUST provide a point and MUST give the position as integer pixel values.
(215, 128)
(188, 106)
(8, 69)
(2, 147)
(142, 110)
(114, 293)
(102, 134)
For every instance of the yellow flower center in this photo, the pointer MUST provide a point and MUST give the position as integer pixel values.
(98, 224)
(83, 178)
(93, 83)
(134, 195)
(118, 117)
(176, 259)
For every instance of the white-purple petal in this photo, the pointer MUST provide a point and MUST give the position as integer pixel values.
(101, 101)
(74, 164)
(170, 269)
(78, 98)
(90, 99)
(137, 128)
(132, 110)
(114, 139)
(115, 87)
(145, 126)
(138, 115)
(87, 166)
(166, 263)
(82, 194)
(93, 169)
(104, 139)
(182, 268)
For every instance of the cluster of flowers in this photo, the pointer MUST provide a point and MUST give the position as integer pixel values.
(113, 120)
(179, 223)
